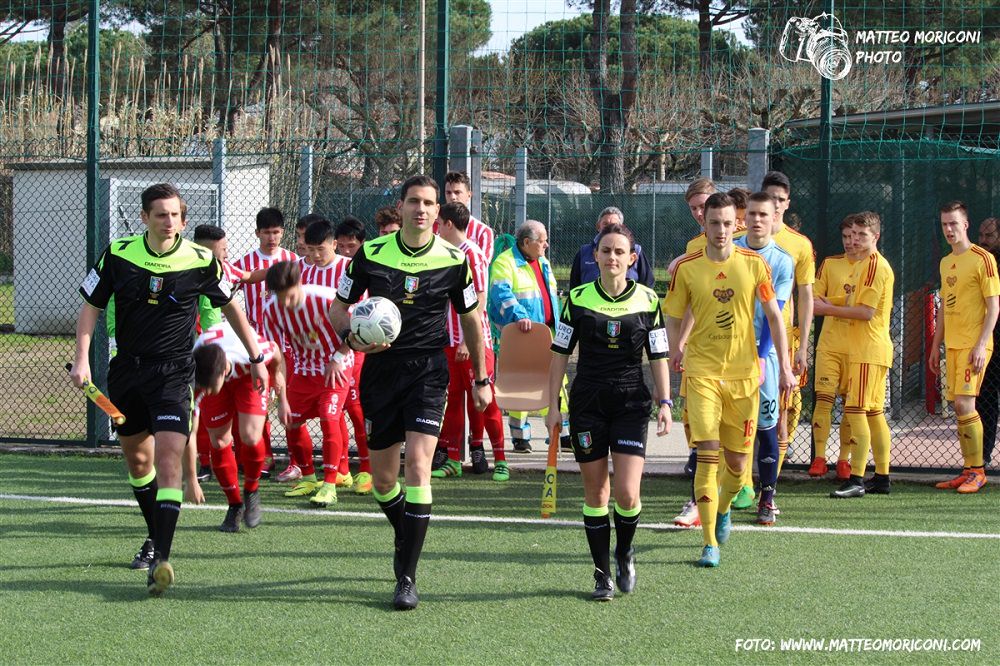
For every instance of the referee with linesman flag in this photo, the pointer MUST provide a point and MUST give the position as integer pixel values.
(154, 280)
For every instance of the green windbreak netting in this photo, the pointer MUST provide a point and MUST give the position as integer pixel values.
(327, 105)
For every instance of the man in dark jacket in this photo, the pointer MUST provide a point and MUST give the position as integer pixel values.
(585, 266)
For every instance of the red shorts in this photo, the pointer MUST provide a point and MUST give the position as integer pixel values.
(236, 397)
(464, 368)
(309, 398)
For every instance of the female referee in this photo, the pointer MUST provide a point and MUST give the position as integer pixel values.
(613, 319)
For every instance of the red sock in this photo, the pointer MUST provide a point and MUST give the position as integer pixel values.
(493, 421)
(300, 449)
(267, 439)
(224, 468)
(253, 463)
(345, 464)
(331, 448)
(360, 438)
(204, 445)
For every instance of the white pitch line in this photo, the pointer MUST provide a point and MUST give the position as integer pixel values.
(378, 516)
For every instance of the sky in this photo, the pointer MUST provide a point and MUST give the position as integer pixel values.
(513, 18)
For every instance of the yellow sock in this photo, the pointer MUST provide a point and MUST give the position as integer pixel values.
(970, 434)
(730, 484)
(846, 441)
(881, 440)
(706, 491)
(822, 413)
(862, 436)
(782, 450)
(746, 478)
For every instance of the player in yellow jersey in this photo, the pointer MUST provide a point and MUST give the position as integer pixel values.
(796, 244)
(720, 285)
(965, 321)
(869, 356)
(833, 283)
(697, 193)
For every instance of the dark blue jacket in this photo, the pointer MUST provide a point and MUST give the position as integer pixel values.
(585, 267)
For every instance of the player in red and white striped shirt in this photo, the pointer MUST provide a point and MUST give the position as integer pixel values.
(317, 387)
(458, 187)
(270, 229)
(350, 236)
(325, 270)
(231, 409)
(453, 220)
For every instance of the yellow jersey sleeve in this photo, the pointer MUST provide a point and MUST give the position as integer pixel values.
(678, 296)
(967, 280)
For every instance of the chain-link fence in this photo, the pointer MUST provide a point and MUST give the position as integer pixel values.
(320, 109)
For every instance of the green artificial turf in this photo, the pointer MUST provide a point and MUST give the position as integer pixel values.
(316, 586)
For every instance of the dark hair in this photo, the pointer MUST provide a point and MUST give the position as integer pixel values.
(282, 275)
(740, 197)
(453, 177)
(699, 186)
(719, 200)
(848, 221)
(456, 213)
(319, 232)
(761, 197)
(616, 229)
(208, 232)
(351, 227)
(209, 364)
(157, 192)
(308, 219)
(418, 181)
(386, 216)
(776, 179)
(955, 205)
(269, 218)
(867, 218)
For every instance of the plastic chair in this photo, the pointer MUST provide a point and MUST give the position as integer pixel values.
(523, 370)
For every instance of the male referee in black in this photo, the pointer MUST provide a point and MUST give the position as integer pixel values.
(404, 386)
(155, 280)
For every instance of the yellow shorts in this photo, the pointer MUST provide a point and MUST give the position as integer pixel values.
(832, 371)
(960, 378)
(724, 411)
(866, 386)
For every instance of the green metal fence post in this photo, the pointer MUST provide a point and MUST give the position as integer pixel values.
(440, 157)
(99, 346)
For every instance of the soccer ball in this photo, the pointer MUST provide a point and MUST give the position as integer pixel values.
(375, 320)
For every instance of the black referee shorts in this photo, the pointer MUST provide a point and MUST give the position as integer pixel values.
(153, 397)
(400, 396)
(607, 419)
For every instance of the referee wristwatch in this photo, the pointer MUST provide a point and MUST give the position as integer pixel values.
(482, 382)
(258, 359)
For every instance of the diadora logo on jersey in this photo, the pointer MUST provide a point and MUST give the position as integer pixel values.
(724, 319)
(586, 441)
(720, 276)
(155, 285)
(952, 281)
(614, 328)
(723, 295)
(156, 264)
(410, 283)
